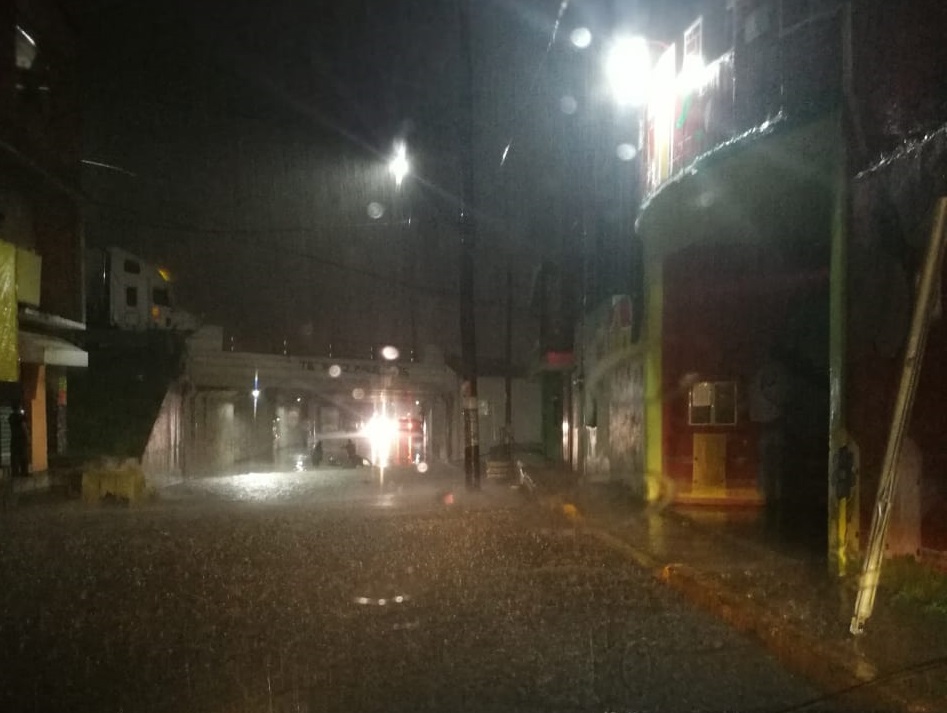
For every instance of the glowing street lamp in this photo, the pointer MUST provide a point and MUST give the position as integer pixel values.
(628, 70)
(398, 166)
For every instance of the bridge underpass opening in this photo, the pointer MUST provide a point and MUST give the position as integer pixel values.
(331, 400)
(388, 428)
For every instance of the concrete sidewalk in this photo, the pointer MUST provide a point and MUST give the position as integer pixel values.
(54, 485)
(783, 598)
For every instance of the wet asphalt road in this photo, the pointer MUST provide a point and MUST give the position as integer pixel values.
(318, 591)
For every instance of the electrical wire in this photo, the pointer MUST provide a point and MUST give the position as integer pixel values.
(249, 238)
(534, 81)
(440, 292)
(85, 199)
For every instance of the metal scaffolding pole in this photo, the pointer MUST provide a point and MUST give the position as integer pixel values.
(927, 292)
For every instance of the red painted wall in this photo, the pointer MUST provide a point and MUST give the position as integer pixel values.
(724, 308)
(718, 317)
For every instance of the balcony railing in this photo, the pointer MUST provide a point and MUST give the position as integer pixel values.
(693, 109)
(690, 113)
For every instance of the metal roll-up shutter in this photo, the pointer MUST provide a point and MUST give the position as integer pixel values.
(5, 412)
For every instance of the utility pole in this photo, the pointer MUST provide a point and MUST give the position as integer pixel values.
(508, 380)
(409, 262)
(468, 235)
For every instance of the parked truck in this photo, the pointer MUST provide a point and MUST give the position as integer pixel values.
(128, 293)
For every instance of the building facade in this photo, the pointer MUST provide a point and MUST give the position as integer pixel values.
(41, 288)
(788, 171)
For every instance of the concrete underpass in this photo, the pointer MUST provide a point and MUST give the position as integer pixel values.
(229, 409)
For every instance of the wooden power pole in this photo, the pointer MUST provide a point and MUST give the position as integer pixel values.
(468, 236)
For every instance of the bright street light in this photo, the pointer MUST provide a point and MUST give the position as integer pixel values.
(399, 166)
(628, 70)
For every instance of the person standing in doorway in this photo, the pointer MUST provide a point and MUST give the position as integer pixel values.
(769, 392)
(19, 443)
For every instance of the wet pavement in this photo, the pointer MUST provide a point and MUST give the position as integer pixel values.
(324, 591)
(775, 584)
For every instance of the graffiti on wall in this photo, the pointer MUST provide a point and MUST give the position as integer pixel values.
(612, 327)
(626, 417)
(614, 406)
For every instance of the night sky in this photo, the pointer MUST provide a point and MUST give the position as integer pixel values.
(252, 137)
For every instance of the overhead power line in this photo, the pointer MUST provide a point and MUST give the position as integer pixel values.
(534, 81)
(249, 238)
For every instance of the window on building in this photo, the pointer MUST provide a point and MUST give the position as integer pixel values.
(728, 27)
(132, 267)
(758, 23)
(713, 403)
(131, 296)
(161, 297)
(694, 39)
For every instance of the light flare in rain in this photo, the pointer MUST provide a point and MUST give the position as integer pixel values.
(581, 37)
(399, 165)
(382, 601)
(255, 393)
(381, 431)
(626, 152)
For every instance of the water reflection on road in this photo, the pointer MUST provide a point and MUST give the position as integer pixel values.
(319, 590)
(263, 486)
(435, 486)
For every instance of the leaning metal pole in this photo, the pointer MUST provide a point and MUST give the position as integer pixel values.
(910, 372)
(468, 235)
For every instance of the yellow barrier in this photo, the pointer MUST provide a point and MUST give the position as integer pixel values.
(125, 482)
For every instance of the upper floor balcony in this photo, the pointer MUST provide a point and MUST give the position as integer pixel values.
(690, 112)
(772, 72)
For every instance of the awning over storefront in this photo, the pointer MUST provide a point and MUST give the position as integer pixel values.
(43, 349)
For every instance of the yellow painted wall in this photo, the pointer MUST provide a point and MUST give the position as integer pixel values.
(34, 389)
(9, 348)
(654, 411)
(29, 270)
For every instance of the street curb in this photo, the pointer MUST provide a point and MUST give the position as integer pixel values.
(33, 483)
(847, 673)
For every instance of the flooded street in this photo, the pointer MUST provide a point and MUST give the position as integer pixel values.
(315, 591)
